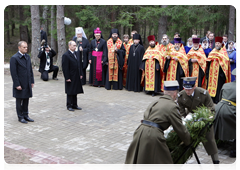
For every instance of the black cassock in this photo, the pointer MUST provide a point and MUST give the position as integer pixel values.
(134, 74)
(157, 81)
(200, 73)
(85, 45)
(180, 73)
(72, 70)
(220, 83)
(119, 84)
(101, 45)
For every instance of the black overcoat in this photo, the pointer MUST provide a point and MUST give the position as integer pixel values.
(42, 56)
(72, 69)
(22, 75)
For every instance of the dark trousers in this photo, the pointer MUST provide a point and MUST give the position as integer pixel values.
(22, 107)
(71, 101)
(54, 69)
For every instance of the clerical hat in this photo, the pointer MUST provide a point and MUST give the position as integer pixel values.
(234, 72)
(151, 38)
(177, 40)
(114, 30)
(97, 31)
(189, 82)
(219, 39)
(136, 36)
(171, 85)
(196, 40)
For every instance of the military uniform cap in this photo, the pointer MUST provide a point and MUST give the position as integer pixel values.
(189, 82)
(234, 72)
(171, 85)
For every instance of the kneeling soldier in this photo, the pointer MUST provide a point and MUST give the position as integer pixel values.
(189, 99)
(149, 145)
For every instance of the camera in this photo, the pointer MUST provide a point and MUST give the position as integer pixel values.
(45, 46)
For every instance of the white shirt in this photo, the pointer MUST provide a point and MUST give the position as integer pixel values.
(47, 66)
(20, 53)
(73, 53)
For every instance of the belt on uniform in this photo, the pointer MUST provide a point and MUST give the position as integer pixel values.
(152, 124)
(233, 103)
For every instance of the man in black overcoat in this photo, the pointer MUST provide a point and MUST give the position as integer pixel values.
(23, 81)
(72, 71)
(46, 63)
(43, 35)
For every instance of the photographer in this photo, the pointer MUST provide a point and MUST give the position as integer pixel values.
(46, 55)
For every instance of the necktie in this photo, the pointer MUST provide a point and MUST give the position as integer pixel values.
(74, 55)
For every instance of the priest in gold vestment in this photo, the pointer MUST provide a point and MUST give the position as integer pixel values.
(218, 70)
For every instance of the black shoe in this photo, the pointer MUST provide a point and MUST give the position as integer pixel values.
(78, 108)
(153, 94)
(55, 78)
(28, 119)
(216, 165)
(22, 120)
(70, 109)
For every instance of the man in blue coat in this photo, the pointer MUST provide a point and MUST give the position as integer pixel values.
(23, 81)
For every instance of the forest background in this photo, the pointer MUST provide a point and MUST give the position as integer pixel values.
(22, 22)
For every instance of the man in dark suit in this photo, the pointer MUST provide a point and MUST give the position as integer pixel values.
(72, 71)
(43, 35)
(211, 40)
(177, 35)
(225, 40)
(23, 81)
(206, 37)
(46, 63)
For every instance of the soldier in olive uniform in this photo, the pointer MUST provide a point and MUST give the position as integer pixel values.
(189, 99)
(225, 118)
(149, 145)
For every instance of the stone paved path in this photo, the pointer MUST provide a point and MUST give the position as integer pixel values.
(98, 134)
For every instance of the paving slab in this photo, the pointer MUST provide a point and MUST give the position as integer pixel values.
(100, 133)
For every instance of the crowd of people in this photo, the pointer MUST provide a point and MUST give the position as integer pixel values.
(201, 70)
(115, 64)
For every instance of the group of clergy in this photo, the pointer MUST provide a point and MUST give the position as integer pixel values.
(115, 64)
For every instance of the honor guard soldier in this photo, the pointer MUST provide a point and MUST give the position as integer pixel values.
(189, 99)
(149, 145)
(225, 117)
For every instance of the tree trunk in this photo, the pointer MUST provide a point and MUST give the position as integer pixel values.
(35, 19)
(53, 41)
(145, 31)
(61, 39)
(6, 23)
(22, 28)
(12, 16)
(162, 25)
(231, 28)
(150, 29)
(44, 21)
(113, 16)
(206, 28)
(121, 32)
